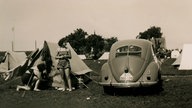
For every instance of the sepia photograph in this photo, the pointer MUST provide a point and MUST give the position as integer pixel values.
(95, 53)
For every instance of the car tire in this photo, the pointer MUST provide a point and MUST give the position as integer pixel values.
(159, 85)
(109, 90)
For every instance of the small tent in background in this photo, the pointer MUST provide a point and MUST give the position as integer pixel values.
(12, 60)
(186, 58)
(175, 54)
(82, 57)
(105, 56)
(177, 62)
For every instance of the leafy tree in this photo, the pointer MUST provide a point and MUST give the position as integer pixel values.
(94, 45)
(153, 32)
(109, 42)
(77, 40)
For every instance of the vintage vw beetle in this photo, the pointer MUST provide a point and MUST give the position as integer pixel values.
(131, 64)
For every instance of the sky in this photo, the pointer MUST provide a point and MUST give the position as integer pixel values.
(25, 21)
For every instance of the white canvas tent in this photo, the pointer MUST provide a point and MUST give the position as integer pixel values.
(186, 57)
(49, 52)
(105, 56)
(177, 61)
(12, 60)
(175, 54)
(78, 67)
(82, 57)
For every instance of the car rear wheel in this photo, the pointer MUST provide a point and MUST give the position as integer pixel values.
(109, 90)
(159, 85)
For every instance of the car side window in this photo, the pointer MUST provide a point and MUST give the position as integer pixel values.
(130, 50)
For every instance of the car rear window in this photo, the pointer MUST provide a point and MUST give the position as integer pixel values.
(130, 50)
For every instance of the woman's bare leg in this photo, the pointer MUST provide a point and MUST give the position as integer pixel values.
(67, 73)
(62, 77)
(25, 87)
(36, 85)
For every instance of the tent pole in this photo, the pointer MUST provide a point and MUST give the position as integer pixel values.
(35, 44)
(12, 45)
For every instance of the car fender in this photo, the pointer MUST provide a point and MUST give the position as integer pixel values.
(151, 72)
(106, 76)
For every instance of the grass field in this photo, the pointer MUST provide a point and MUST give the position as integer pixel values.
(177, 93)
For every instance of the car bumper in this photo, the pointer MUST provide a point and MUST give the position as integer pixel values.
(129, 84)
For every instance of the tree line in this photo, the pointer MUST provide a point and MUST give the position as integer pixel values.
(94, 45)
(91, 45)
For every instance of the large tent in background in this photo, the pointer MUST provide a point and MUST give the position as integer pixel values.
(12, 60)
(105, 56)
(78, 67)
(186, 57)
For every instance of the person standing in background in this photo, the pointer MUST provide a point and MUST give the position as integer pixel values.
(63, 55)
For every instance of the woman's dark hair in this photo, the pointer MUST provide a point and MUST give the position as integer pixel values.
(41, 67)
(61, 41)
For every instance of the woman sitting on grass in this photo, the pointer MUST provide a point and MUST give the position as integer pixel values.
(32, 77)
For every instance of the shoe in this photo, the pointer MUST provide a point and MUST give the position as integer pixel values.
(17, 89)
(69, 89)
(27, 88)
(37, 90)
(61, 89)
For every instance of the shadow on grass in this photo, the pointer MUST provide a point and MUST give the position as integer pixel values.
(141, 91)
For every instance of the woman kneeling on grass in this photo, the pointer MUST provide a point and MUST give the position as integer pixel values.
(32, 77)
